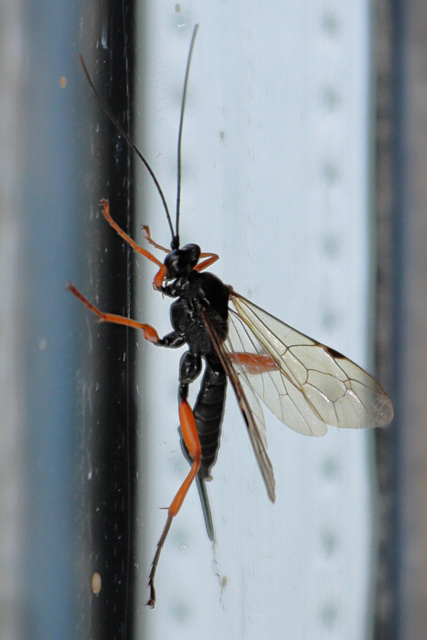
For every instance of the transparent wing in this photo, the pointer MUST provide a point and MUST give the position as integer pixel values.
(304, 383)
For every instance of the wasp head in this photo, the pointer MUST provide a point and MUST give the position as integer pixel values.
(181, 262)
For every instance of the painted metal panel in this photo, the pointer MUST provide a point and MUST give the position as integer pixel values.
(277, 180)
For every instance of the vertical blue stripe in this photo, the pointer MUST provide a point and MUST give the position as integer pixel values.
(50, 204)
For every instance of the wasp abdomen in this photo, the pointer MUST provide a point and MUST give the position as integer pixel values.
(208, 412)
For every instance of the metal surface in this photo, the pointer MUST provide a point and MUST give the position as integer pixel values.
(12, 495)
(411, 233)
(276, 179)
(54, 421)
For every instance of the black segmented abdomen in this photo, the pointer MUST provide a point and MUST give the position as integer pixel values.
(208, 412)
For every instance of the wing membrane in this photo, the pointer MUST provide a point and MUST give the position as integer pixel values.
(308, 385)
(304, 383)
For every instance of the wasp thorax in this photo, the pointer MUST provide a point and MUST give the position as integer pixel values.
(182, 261)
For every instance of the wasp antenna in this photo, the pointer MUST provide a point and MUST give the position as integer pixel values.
(130, 142)
(181, 122)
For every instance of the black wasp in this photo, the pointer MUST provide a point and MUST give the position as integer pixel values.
(304, 383)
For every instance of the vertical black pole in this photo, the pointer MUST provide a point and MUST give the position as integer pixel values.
(110, 429)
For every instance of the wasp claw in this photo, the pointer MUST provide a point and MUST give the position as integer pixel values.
(151, 602)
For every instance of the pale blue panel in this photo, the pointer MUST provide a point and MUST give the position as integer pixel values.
(276, 179)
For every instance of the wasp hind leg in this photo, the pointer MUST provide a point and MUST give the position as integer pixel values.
(191, 439)
(189, 369)
(203, 494)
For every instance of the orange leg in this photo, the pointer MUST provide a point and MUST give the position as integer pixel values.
(136, 247)
(211, 258)
(191, 439)
(158, 280)
(147, 231)
(148, 331)
(253, 362)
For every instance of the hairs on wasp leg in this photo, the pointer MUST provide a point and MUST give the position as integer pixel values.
(304, 383)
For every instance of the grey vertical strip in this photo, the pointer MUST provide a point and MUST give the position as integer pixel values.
(411, 323)
(12, 140)
(386, 618)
